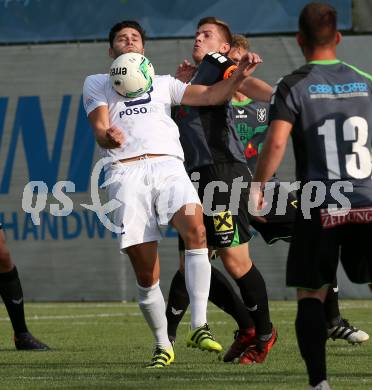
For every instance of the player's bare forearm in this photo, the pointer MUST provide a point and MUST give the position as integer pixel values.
(108, 137)
(273, 151)
(256, 89)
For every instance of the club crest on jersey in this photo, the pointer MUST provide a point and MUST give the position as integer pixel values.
(261, 115)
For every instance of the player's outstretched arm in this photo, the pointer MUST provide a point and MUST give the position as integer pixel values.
(219, 93)
(109, 137)
(256, 89)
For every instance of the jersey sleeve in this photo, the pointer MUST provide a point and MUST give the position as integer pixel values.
(94, 93)
(176, 90)
(282, 104)
(213, 68)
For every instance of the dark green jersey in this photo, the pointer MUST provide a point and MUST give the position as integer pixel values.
(207, 136)
(329, 104)
(250, 120)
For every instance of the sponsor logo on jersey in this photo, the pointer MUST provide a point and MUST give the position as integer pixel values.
(250, 150)
(223, 221)
(261, 115)
(332, 91)
(135, 111)
(338, 217)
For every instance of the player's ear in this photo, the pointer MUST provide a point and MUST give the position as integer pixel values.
(111, 53)
(300, 39)
(225, 48)
(338, 37)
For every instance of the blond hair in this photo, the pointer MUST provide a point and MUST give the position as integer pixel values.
(239, 40)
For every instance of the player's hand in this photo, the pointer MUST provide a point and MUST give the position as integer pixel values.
(115, 137)
(248, 63)
(256, 202)
(185, 71)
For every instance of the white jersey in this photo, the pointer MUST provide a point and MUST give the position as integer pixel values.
(146, 121)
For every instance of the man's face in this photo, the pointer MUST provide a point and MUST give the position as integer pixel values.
(126, 40)
(236, 54)
(208, 38)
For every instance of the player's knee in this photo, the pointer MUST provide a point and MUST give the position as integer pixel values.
(146, 279)
(316, 294)
(195, 237)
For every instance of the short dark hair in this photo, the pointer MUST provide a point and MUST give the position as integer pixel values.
(318, 24)
(239, 40)
(223, 26)
(123, 24)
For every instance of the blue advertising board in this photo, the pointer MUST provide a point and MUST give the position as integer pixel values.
(71, 20)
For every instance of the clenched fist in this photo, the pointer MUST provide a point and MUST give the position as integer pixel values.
(115, 137)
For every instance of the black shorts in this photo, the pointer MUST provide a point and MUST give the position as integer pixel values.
(229, 226)
(315, 251)
(278, 227)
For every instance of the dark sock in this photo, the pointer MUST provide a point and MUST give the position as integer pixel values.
(253, 290)
(223, 295)
(178, 301)
(311, 334)
(12, 295)
(331, 308)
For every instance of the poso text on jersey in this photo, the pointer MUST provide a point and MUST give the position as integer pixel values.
(136, 110)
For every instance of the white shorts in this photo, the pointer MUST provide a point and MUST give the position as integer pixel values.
(151, 191)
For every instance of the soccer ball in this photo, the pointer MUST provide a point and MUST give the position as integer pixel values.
(131, 74)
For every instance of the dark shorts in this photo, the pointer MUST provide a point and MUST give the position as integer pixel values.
(315, 251)
(278, 227)
(229, 226)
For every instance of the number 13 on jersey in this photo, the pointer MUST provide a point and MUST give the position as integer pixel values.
(358, 164)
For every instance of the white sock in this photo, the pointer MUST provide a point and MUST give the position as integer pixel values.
(152, 305)
(198, 280)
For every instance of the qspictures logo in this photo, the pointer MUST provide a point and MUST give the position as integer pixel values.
(313, 195)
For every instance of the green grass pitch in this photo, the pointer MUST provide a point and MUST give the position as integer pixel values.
(106, 345)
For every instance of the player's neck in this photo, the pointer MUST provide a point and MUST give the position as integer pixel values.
(323, 54)
(239, 97)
